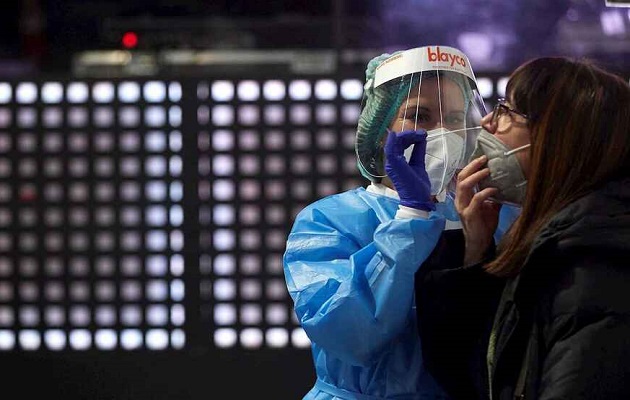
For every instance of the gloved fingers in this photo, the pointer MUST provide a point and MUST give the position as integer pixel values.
(393, 147)
(419, 152)
(397, 142)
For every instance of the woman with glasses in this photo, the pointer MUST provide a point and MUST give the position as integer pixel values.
(545, 315)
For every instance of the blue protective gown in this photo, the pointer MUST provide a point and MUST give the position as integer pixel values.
(507, 216)
(349, 267)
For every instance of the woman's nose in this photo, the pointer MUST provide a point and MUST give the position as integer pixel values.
(488, 123)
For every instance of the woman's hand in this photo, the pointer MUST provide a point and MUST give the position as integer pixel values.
(479, 216)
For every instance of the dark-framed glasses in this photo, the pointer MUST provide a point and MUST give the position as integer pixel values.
(501, 108)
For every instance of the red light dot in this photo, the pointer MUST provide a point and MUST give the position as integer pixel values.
(130, 40)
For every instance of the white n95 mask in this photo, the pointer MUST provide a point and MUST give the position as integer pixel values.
(445, 152)
(506, 173)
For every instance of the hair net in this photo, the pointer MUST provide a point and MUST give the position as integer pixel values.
(380, 105)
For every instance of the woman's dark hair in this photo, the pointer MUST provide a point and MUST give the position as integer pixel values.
(579, 119)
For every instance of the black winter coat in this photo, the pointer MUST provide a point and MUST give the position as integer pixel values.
(559, 330)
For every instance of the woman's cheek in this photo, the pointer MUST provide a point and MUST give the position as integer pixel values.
(523, 160)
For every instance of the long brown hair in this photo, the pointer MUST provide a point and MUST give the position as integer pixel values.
(579, 119)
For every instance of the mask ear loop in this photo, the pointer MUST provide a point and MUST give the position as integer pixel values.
(516, 150)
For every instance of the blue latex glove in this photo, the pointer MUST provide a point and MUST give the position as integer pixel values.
(410, 179)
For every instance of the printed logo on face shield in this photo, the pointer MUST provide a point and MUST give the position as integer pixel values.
(444, 56)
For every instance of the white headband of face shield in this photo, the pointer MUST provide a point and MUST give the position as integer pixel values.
(422, 59)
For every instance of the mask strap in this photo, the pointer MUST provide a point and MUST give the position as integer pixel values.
(516, 150)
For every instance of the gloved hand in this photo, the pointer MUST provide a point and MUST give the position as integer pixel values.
(410, 179)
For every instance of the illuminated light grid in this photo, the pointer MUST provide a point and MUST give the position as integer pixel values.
(351, 89)
(501, 83)
(350, 113)
(274, 90)
(26, 93)
(76, 272)
(300, 114)
(248, 115)
(326, 114)
(248, 90)
(5, 117)
(300, 89)
(6, 93)
(485, 87)
(221, 91)
(274, 115)
(267, 148)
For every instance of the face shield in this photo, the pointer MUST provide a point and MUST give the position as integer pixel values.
(431, 88)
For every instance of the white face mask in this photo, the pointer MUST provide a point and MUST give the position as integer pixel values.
(445, 150)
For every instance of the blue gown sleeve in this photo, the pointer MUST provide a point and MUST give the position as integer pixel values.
(350, 272)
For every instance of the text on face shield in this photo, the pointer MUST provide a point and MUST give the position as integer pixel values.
(444, 56)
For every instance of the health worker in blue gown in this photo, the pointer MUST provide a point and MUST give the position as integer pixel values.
(351, 257)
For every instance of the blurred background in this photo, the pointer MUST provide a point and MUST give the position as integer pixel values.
(70, 36)
(153, 155)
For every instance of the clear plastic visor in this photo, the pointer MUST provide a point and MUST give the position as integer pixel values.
(446, 104)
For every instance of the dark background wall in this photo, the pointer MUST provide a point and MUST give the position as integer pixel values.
(497, 35)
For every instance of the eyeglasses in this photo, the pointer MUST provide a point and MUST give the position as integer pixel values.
(501, 109)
